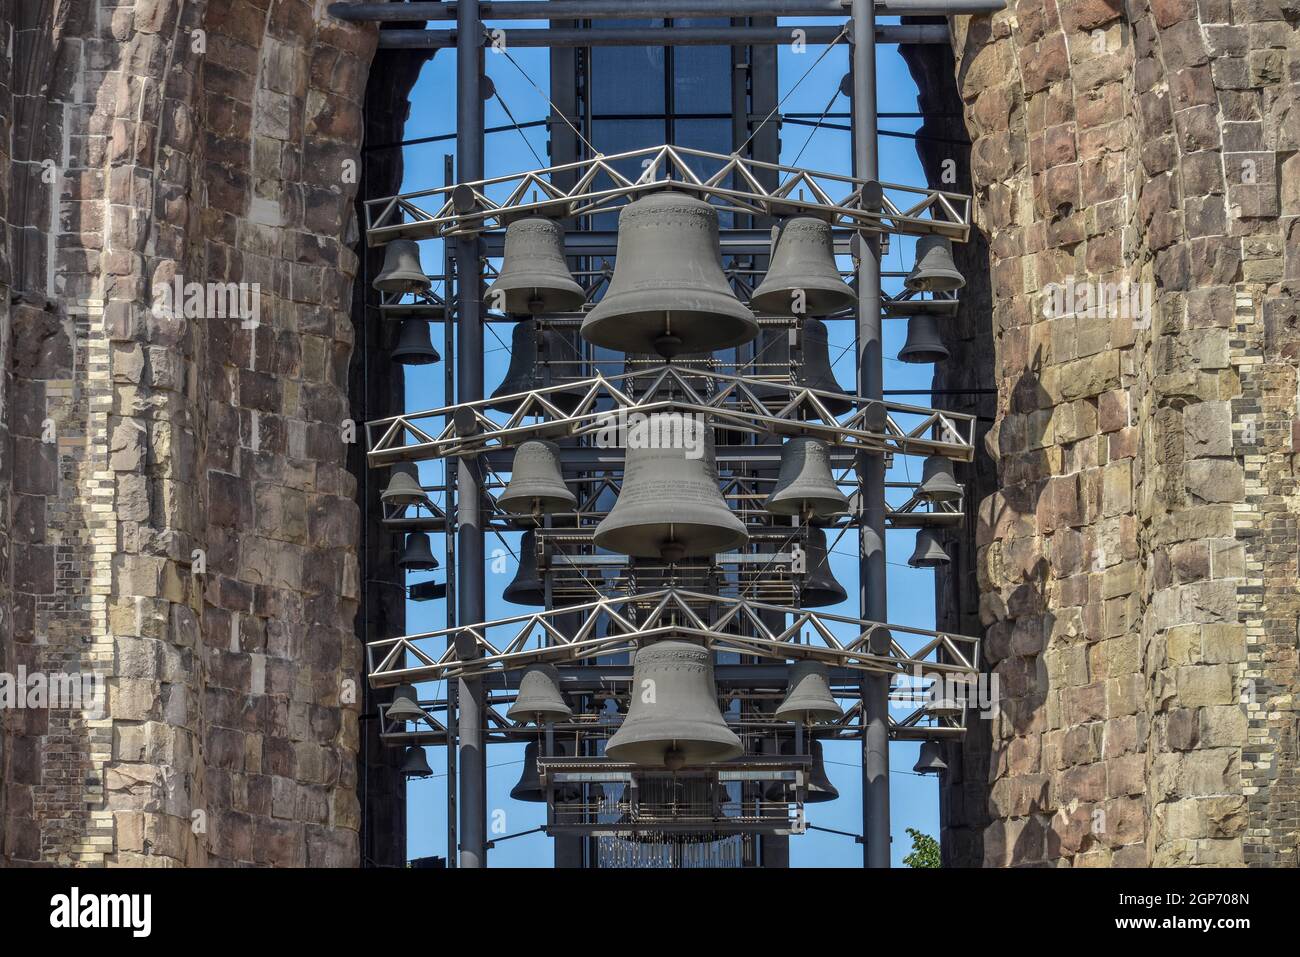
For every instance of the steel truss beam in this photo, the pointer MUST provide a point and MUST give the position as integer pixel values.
(553, 37)
(652, 10)
(613, 625)
(870, 425)
(467, 208)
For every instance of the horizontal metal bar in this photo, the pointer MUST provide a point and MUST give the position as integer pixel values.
(658, 36)
(655, 10)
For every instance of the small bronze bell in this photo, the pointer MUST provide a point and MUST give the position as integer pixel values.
(805, 485)
(808, 698)
(404, 486)
(935, 270)
(534, 277)
(539, 699)
(930, 759)
(416, 764)
(402, 272)
(527, 587)
(414, 347)
(937, 482)
(929, 551)
(536, 483)
(923, 343)
(803, 273)
(417, 556)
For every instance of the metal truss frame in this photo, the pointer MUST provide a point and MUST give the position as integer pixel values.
(465, 209)
(869, 425)
(616, 624)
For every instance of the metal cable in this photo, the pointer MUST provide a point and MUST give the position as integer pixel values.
(506, 53)
(844, 31)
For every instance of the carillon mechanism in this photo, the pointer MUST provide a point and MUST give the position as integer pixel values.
(679, 659)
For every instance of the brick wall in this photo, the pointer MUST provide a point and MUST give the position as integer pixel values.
(216, 141)
(1137, 547)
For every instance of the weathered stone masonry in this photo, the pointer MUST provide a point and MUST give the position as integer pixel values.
(1137, 535)
(217, 141)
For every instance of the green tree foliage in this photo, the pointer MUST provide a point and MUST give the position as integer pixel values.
(925, 850)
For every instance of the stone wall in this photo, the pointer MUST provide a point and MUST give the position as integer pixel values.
(1137, 549)
(178, 512)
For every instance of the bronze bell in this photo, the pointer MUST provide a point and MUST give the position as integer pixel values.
(937, 481)
(522, 373)
(929, 551)
(536, 483)
(405, 705)
(935, 270)
(416, 764)
(670, 505)
(673, 719)
(539, 699)
(820, 586)
(414, 347)
(818, 788)
(404, 486)
(813, 371)
(803, 266)
(527, 587)
(668, 293)
(402, 271)
(534, 277)
(417, 556)
(805, 485)
(529, 785)
(930, 760)
(923, 343)
(808, 698)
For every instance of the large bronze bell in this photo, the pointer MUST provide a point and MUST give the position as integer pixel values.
(820, 587)
(923, 343)
(404, 486)
(805, 485)
(929, 551)
(670, 505)
(534, 277)
(417, 556)
(937, 481)
(673, 719)
(527, 587)
(536, 483)
(529, 785)
(415, 764)
(414, 347)
(808, 698)
(402, 271)
(522, 373)
(818, 788)
(803, 273)
(539, 699)
(930, 760)
(935, 270)
(668, 294)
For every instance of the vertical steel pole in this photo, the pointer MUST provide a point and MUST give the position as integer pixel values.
(449, 487)
(469, 359)
(871, 468)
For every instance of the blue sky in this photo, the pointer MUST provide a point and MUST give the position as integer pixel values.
(914, 799)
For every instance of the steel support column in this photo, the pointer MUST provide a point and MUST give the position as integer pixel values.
(469, 362)
(871, 467)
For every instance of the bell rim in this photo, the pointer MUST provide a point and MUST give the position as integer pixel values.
(939, 280)
(554, 297)
(732, 539)
(823, 505)
(831, 299)
(637, 330)
(548, 503)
